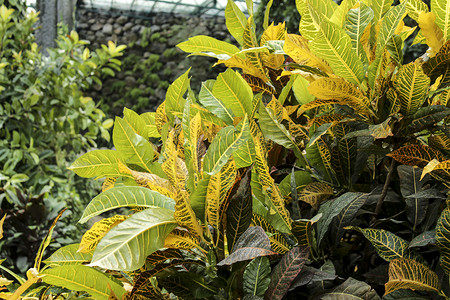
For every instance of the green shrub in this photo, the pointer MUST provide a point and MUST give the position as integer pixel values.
(319, 171)
(45, 122)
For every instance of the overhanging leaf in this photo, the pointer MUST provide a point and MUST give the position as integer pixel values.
(145, 230)
(82, 278)
(213, 104)
(257, 277)
(96, 163)
(90, 238)
(125, 196)
(68, 255)
(205, 44)
(352, 289)
(416, 155)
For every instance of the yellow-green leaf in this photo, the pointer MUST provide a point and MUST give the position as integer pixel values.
(235, 21)
(315, 193)
(90, 238)
(97, 163)
(407, 273)
(205, 45)
(174, 102)
(432, 33)
(68, 255)
(442, 10)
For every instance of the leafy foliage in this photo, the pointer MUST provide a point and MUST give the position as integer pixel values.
(326, 177)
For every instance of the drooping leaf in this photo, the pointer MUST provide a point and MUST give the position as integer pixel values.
(332, 209)
(68, 255)
(109, 183)
(257, 277)
(96, 163)
(90, 238)
(125, 196)
(428, 116)
(388, 245)
(405, 273)
(235, 21)
(442, 10)
(234, 92)
(334, 46)
(311, 275)
(253, 243)
(82, 278)
(132, 148)
(352, 289)
(145, 230)
(286, 271)
(411, 85)
(442, 241)
(416, 155)
(227, 141)
(239, 211)
(315, 193)
(202, 44)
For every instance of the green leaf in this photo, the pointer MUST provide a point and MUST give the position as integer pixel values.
(395, 48)
(125, 196)
(253, 243)
(234, 92)
(442, 10)
(239, 212)
(226, 142)
(274, 130)
(423, 239)
(150, 124)
(411, 85)
(202, 44)
(427, 116)
(68, 255)
(388, 245)
(213, 104)
(135, 121)
(300, 88)
(174, 103)
(256, 277)
(356, 22)
(235, 21)
(442, 239)
(126, 246)
(334, 46)
(286, 271)
(133, 148)
(405, 295)
(380, 7)
(244, 156)
(352, 289)
(82, 278)
(345, 217)
(97, 163)
(332, 209)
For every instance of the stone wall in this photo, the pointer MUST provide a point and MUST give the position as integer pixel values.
(151, 61)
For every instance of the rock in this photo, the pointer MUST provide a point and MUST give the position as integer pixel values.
(136, 28)
(127, 26)
(147, 54)
(130, 81)
(142, 86)
(108, 29)
(82, 26)
(121, 20)
(110, 21)
(96, 27)
(92, 21)
(160, 94)
(155, 28)
(118, 30)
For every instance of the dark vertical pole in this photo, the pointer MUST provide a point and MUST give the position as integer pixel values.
(47, 31)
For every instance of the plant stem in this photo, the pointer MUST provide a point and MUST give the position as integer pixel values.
(384, 191)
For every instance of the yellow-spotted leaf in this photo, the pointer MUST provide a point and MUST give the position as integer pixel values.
(226, 142)
(145, 230)
(431, 32)
(235, 21)
(405, 273)
(415, 7)
(416, 155)
(173, 166)
(341, 90)
(234, 92)
(108, 183)
(181, 239)
(68, 255)
(442, 239)
(244, 64)
(133, 148)
(297, 48)
(339, 15)
(206, 45)
(302, 230)
(442, 10)
(125, 196)
(161, 117)
(185, 216)
(257, 84)
(439, 141)
(161, 256)
(96, 163)
(82, 278)
(388, 245)
(174, 102)
(273, 33)
(150, 124)
(315, 193)
(439, 67)
(334, 46)
(90, 238)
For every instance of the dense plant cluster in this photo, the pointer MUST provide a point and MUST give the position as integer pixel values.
(45, 122)
(317, 171)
